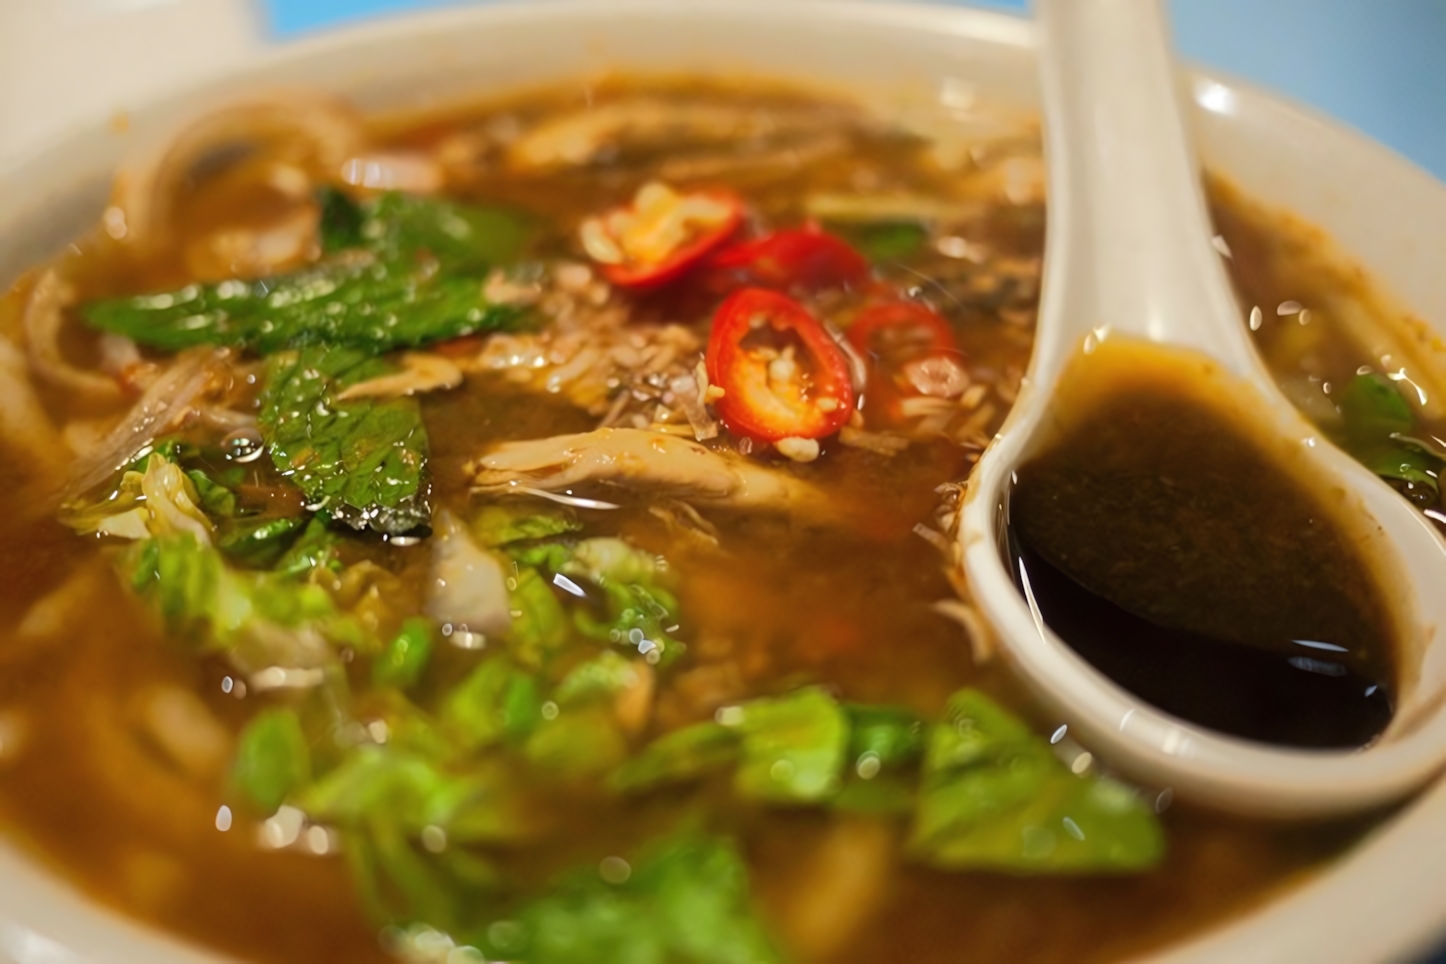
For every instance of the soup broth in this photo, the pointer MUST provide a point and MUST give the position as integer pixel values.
(1195, 564)
(527, 529)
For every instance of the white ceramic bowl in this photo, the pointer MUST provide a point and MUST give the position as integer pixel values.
(1383, 900)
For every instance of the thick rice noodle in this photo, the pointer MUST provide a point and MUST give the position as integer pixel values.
(169, 400)
(43, 319)
(318, 133)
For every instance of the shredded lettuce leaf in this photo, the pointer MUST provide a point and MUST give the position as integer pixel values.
(676, 757)
(496, 702)
(272, 759)
(684, 901)
(260, 618)
(793, 746)
(993, 796)
(401, 664)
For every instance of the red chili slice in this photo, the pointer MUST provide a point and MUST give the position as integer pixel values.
(900, 328)
(781, 373)
(660, 234)
(910, 350)
(807, 257)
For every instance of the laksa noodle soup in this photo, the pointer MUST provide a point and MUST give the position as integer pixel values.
(525, 533)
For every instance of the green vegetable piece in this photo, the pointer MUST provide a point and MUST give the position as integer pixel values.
(994, 797)
(341, 221)
(794, 746)
(686, 901)
(498, 525)
(354, 302)
(404, 226)
(272, 759)
(368, 779)
(377, 786)
(521, 707)
(227, 609)
(886, 794)
(884, 241)
(259, 542)
(883, 736)
(495, 702)
(474, 708)
(315, 548)
(602, 677)
(539, 624)
(975, 729)
(676, 757)
(471, 871)
(1377, 428)
(379, 295)
(424, 892)
(363, 461)
(577, 742)
(217, 501)
(610, 560)
(641, 610)
(1403, 463)
(1372, 407)
(406, 656)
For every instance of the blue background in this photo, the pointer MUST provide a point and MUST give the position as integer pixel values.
(1378, 65)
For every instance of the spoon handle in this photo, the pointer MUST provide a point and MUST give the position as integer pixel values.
(1128, 247)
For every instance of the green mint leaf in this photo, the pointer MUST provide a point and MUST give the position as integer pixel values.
(355, 302)
(341, 221)
(404, 271)
(362, 461)
(404, 226)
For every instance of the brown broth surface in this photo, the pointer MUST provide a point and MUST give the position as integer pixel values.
(849, 607)
(1184, 558)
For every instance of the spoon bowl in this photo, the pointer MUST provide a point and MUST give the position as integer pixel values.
(1129, 257)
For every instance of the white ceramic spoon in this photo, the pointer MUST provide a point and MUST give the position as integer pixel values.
(1128, 254)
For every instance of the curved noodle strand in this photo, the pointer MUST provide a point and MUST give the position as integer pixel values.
(319, 131)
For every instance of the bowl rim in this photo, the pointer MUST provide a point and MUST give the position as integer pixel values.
(1402, 921)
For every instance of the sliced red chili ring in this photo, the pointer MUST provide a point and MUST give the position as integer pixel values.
(660, 234)
(900, 328)
(781, 373)
(808, 258)
(910, 349)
